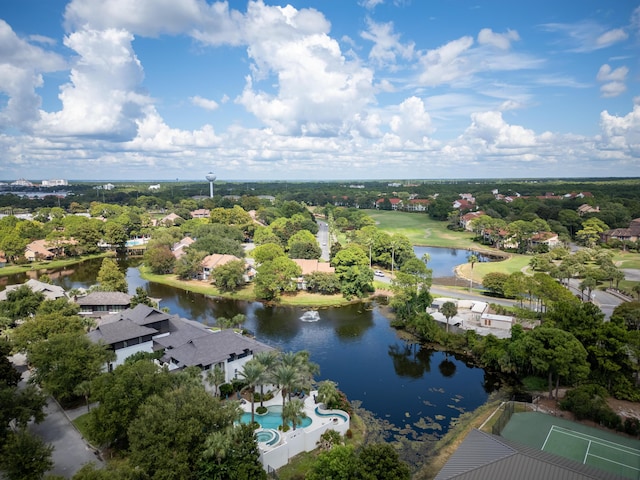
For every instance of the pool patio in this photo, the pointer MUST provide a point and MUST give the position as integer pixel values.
(277, 447)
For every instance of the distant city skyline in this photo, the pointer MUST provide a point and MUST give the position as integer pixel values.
(115, 90)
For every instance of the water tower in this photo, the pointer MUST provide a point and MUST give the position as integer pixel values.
(211, 178)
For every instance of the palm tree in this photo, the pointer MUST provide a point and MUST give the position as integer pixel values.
(268, 359)
(293, 412)
(472, 259)
(287, 376)
(449, 310)
(328, 393)
(253, 373)
(215, 378)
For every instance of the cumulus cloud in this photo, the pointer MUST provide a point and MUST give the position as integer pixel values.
(613, 81)
(446, 63)
(412, 121)
(498, 40)
(317, 87)
(371, 4)
(102, 98)
(622, 133)
(491, 129)
(387, 45)
(21, 68)
(205, 103)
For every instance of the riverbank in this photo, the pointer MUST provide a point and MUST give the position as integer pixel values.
(50, 265)
(298, 299)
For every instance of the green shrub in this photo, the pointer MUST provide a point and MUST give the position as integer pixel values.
(226, 389)
(261, 410)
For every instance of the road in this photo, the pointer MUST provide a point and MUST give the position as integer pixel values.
(323, 239)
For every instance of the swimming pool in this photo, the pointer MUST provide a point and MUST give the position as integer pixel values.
(331, 414)
(270, 436)
(272, 419)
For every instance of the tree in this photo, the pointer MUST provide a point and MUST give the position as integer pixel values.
(159, 259)
(268, 359)
(287, 376)
(558, 354)
(43, 326)
(142, 298)
(293, 412)
(25, 456)
(120, 394)
(590, 232)
(231, 454)
(253, 374)
(168, 435)
(267, 252)
(110, 278)
(352, 269)
(379, 461)
(472, 259)
(328, 394)
(325, 283)
(276, 276)
(230, 276)
(216, 377)
(115, 235)
(64, 360)
(189, 265)
(494, 282)
(449, 310)
(21, 303)
(341, 462)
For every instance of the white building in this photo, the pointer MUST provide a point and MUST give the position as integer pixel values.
(55, 183)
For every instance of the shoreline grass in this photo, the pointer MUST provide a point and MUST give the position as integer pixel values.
(50, 265)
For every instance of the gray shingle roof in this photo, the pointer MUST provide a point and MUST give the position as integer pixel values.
(50, 292)
(105, 298)
(181, 331)
(120, 331)
(482, 456)
(212, 348)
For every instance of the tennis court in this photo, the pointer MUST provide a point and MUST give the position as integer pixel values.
(590, 446)
(593, 451)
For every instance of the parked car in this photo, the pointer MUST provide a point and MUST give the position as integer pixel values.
(378, 273)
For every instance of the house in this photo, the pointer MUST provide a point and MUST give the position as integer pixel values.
(417, 205)
(308, 267)
(549, 239)
(168, 220)
(503, 322)
(586, 208)
(631, 234)
(463, 204)
(209, 349)
(50, 292)
(154, 187)
(211, 262)
(201, 213)
(97, 304)
(184, 343)
(483, 456)
(46, 250)
(396, 203)
(465, 220)
(178, 248)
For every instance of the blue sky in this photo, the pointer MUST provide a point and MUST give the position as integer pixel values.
(319, 89)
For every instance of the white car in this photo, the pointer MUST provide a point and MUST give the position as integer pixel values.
(378, 273)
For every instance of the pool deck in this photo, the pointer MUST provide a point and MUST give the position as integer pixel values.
(293, 442)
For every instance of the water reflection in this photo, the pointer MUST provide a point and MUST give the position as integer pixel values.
(354, 346)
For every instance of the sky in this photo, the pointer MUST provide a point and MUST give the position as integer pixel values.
(319, 89)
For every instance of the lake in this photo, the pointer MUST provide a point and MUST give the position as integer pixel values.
(415, 391)
(443, 261)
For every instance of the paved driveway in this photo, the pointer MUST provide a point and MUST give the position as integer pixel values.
(70, 452)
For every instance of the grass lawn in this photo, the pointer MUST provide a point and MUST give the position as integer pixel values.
(60, 263)
(627, 259)
(421, 230)
(246, 293)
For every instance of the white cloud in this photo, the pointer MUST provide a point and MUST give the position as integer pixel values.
(622, 133)
(491, 129)
(498, 40)
(102, 97)
(141, 17)
(446, 63)
(387, 45)
(611, 37)
(317, 87)
(205, 103)
(371, 4)
(412, 121)
(21, 65)
(613, 81)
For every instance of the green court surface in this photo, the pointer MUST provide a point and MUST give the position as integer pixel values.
(590, 446)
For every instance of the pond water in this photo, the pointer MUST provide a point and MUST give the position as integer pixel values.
(443, 261)
(416, 391)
